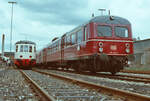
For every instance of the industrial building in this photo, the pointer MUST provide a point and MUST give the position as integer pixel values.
(142, 52)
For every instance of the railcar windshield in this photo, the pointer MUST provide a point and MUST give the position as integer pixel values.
(25, 48)
(121, 32)
(16, 48)
(30, 49)
(21, 48)
(103, 31)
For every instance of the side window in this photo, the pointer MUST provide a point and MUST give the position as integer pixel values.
(88, 31)
(68, 41)
(73, 37)
(25, 48)
(85, 32)
(34, 49)
(59, 44)
(80, 36)
(21, 48)
(30, 49)
(16, 48)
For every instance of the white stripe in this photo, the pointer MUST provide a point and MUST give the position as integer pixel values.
(109, 40)
(94, 40)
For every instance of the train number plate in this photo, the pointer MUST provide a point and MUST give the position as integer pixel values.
(113, 47)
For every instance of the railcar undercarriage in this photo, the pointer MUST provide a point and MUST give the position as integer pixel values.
(97, 63)
(94, 63)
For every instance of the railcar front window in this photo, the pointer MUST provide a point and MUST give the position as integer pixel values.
(34, 49)
(121, 32)
(21, 48)
(30, 49)
(25, 48)
(103, 31)
(16, 48)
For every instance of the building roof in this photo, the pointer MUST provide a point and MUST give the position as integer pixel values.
(141, 40)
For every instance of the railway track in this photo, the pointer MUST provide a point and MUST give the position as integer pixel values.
(116, 77)
(44, 96)
(122, 77)
(129, 96)
(55, 90)
(135, 72)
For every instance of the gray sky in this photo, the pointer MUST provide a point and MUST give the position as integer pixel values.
(42, 20)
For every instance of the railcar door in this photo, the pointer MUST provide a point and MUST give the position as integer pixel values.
(62, 48)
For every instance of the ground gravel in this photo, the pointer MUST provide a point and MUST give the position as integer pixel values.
(13, 87)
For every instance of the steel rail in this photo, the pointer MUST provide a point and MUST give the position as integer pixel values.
(40, 91)
(116, 77)
(122, 93)
(135, 72)
(130, 78)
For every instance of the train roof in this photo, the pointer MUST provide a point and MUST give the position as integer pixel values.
(110, 20)
(107, 19)
(25, 42)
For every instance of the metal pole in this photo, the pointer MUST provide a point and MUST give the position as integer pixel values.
(3, 40)
(11, 2)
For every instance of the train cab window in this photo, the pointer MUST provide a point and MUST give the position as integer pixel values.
(73, 37)
(25, 48)
(34, 49)
(121, 32)
(21, 48)
(30, 49)
(80, 36)
(16, 48)
(103, 31)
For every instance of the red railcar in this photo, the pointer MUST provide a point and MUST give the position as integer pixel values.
(103, 44)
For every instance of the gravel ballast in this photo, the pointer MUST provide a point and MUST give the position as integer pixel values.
(14, 88)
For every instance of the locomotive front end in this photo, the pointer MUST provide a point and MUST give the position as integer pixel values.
(25, 54)
(113, 44)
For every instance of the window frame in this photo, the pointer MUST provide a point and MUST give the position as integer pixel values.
(75, 38)
(16, 48)
(121, 27)
(30, 48)
(111, 27)
(21, 48)
(25, 48)
(80, 32)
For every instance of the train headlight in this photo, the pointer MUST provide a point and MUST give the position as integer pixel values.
(127, 45)
(100, 49)
(100, 44)
(128, 50)
(21, 56)
(30, 56)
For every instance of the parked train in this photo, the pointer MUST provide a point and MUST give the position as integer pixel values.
(103, 44)
(25, 54)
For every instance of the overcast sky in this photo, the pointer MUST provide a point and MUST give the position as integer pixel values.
(42, 20)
